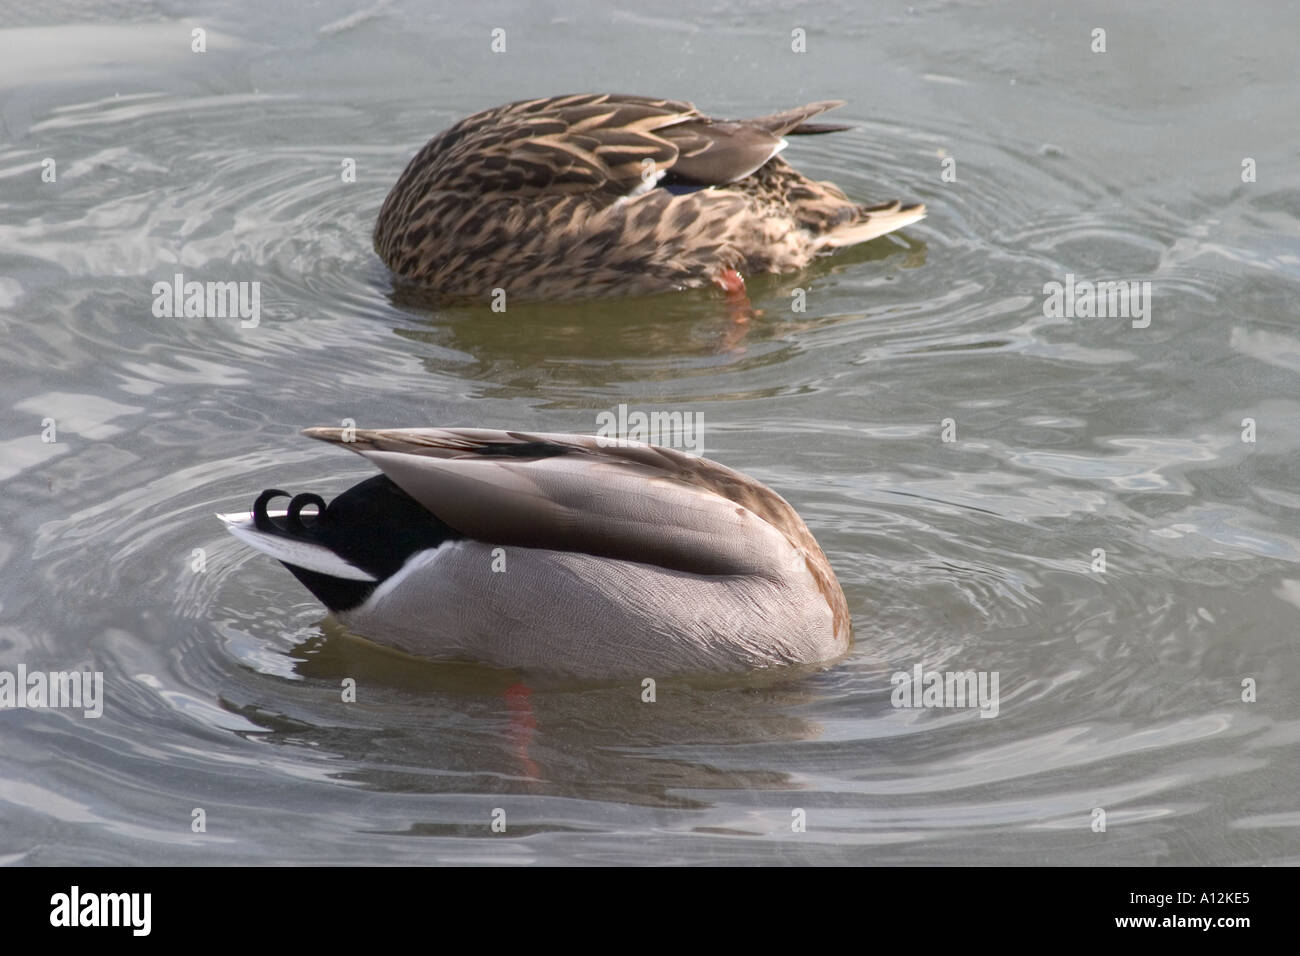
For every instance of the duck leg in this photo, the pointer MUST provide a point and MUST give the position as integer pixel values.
(523, 724)
(739, 309)
(732, 283)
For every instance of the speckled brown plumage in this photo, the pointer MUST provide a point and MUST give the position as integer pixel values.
(564, 197)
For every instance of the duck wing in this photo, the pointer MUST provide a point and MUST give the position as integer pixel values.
(571, 493)
(715, 152)
(563, 145)
(598, 143)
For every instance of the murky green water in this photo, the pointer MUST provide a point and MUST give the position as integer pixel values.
(1120, 691)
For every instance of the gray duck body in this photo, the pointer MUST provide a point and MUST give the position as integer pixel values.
(561, 554)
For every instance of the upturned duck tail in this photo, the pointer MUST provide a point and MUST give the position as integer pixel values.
(875, 221)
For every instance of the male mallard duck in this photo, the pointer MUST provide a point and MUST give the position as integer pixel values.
(598, 194)
(559, 553)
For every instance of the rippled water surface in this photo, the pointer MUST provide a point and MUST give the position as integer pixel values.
(1120, 691)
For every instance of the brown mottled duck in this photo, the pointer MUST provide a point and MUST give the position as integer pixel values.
(600, 194)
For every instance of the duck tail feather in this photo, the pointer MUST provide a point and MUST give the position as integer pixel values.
(876, 221)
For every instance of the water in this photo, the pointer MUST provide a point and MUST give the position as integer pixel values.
(1119, 691)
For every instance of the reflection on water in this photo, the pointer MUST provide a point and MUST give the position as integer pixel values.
(1120, 688)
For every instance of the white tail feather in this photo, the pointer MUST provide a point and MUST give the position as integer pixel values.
(301, 554)
(876, 224)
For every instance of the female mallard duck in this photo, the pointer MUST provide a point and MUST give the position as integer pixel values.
(559, 553)
(598, 194)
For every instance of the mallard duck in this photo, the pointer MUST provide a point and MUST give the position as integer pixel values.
(568, 554)
(599, 194)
